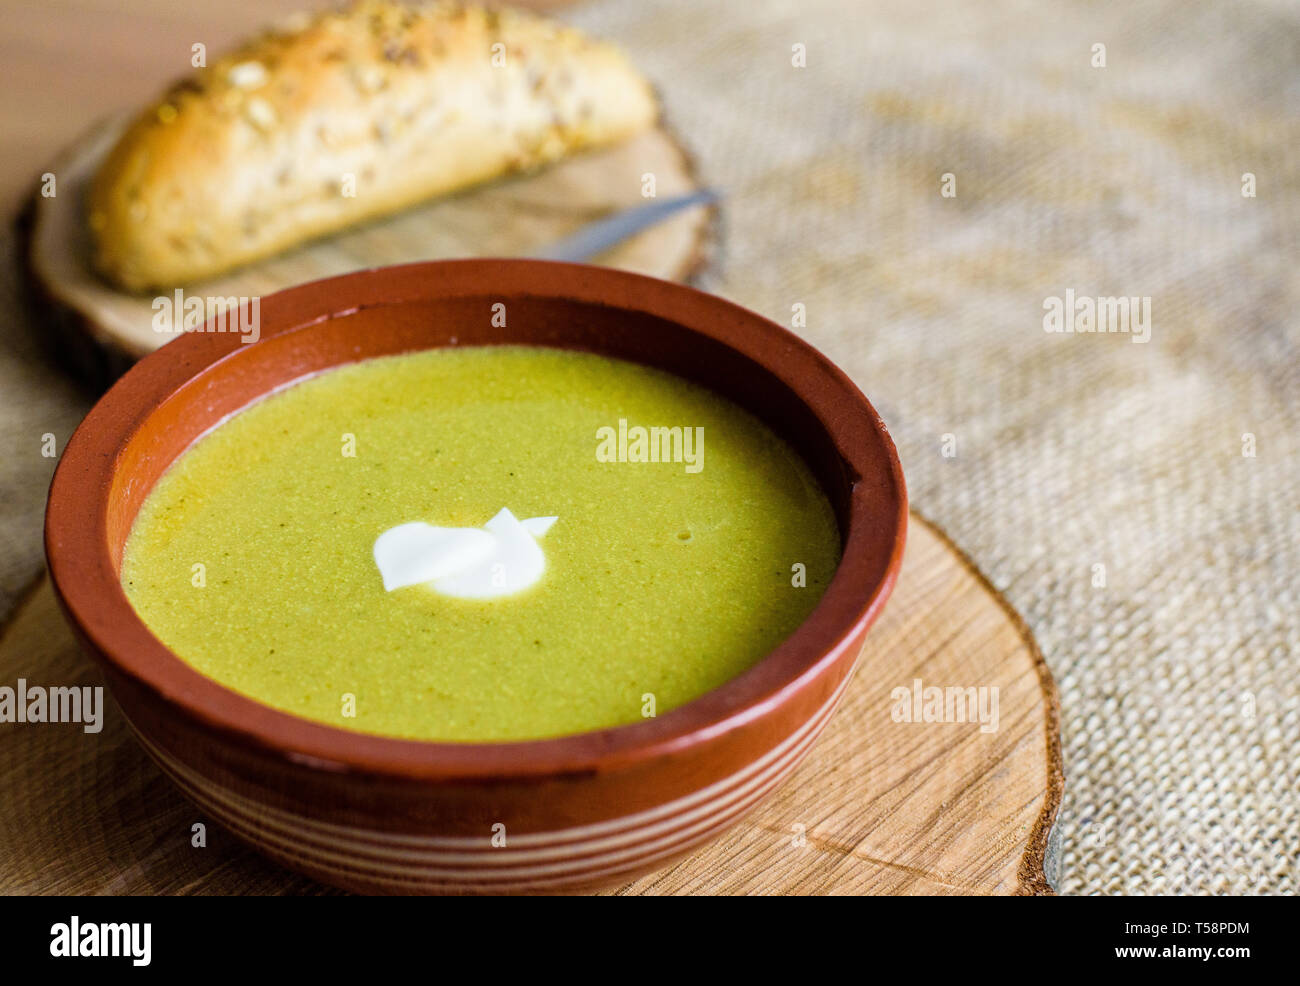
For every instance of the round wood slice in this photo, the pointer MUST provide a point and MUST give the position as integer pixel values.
(103, 330)
(879, 807)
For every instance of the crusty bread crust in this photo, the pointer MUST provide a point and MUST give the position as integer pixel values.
(342, 118)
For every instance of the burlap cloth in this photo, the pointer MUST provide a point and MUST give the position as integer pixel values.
(1178, 675)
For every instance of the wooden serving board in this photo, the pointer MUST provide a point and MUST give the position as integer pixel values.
(879, 807)
(103, 330)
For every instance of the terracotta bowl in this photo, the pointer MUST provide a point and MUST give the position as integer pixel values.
(375, 814)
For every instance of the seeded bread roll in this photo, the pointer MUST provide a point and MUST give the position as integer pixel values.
(342, 118)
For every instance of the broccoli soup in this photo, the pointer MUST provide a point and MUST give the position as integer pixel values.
(489, 543)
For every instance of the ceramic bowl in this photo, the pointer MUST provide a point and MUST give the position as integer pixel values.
(376, 814)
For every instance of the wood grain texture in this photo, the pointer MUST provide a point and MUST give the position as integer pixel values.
(507, 218)
(879, 806)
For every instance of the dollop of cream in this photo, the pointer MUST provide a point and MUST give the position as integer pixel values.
(499, 559)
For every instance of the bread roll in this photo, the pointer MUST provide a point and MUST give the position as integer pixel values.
(343, 118)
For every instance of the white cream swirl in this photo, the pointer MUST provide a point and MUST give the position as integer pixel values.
(499, 559)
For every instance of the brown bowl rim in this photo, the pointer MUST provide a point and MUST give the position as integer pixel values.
(92, 597)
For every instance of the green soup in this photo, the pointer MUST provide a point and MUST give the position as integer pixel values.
(671, 568)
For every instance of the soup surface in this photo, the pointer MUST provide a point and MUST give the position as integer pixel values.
(253, 558)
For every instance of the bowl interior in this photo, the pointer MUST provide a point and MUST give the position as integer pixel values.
(250, 372)
(191, 385)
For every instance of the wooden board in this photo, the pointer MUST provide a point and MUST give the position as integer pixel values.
(104, 330)
(879, 806)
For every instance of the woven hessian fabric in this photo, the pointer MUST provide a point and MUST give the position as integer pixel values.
(1180, 691)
